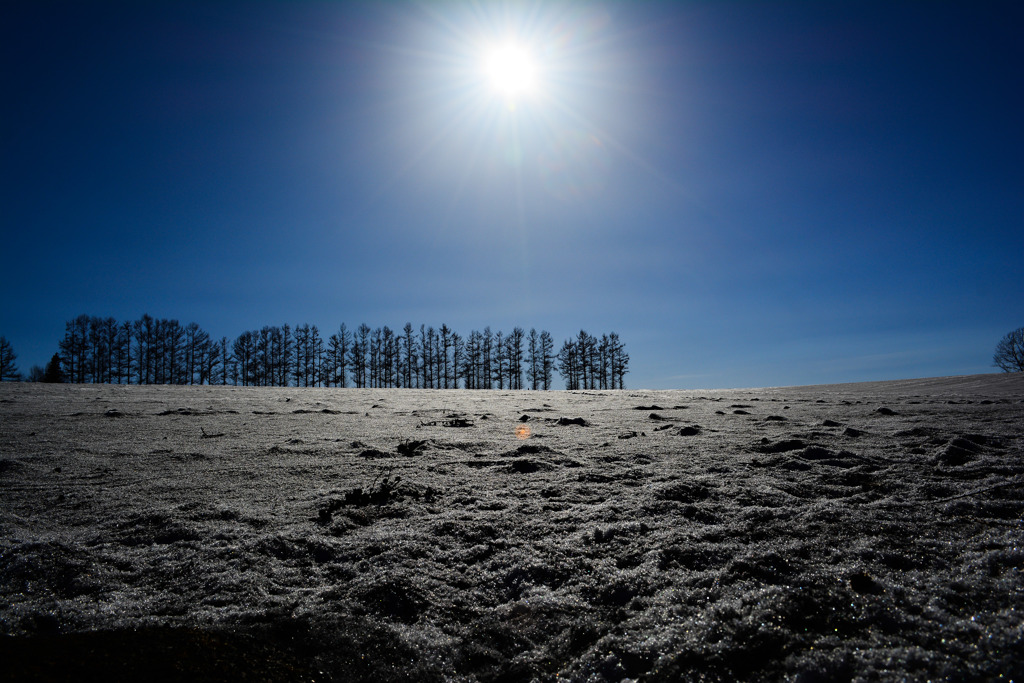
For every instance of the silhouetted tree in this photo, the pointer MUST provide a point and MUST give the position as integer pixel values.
(100, 351)
(173, 356)
(142, 333)
(569, 364)
(1009, 355)
(603, 362)
(244, 352)
(388, 356)
(226, 362)
(457, 358)
(500, 359)
(618, 361)
(316, 356)
(533, 364)
(470, 359)
(586, 347)
(123, 353)
(357, 355)
(197, 347)
(515, 358)
(486, 355)
(547, 359)
(287, 352)
(307, 356)
(8, 368)
(53, 373)
(74, 349)
(444, 366)
(36, 374)
(410, 354)
(374, 358)
(337, 357)
(161, 351)
(298, 362)
(210, 372)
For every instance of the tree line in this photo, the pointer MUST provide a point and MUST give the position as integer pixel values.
(161, 351)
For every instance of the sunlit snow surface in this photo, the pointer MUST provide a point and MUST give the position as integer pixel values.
(867, 531)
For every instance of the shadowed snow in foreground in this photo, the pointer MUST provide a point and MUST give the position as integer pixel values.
(809, 533)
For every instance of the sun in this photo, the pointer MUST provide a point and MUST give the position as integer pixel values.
(511, 71)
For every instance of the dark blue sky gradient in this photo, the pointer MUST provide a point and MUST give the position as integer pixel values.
(749, 193)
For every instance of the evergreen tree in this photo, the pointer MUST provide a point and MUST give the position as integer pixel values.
(53, 373)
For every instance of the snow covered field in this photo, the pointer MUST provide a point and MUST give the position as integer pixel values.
(860, 531)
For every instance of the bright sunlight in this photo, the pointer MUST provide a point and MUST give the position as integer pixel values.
(511, 71)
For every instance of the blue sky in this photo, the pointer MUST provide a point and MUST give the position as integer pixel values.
(750, 194)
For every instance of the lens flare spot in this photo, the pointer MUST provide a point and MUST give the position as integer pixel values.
(522, 432)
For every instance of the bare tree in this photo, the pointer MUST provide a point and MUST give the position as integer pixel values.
(197, 347)
(244, 352)
(123, 354)
(142, 331)
(411, 353)
(357, 355)
(8, 370)
(174, 352)
(619, 361)
(378, 357)
(457, 358)
(514, 342)
(161, 351)
(569, 364)
(499, 360)
(486, 355)
(227, 361)
(387, 357)
(337, 357)
(471, 362)
(445, 337)
(298, 362)
(284, 371)
(586, 352)
(547, 359)
(533, 365)
(210, 372)
(74, 349)
(1009, 355)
